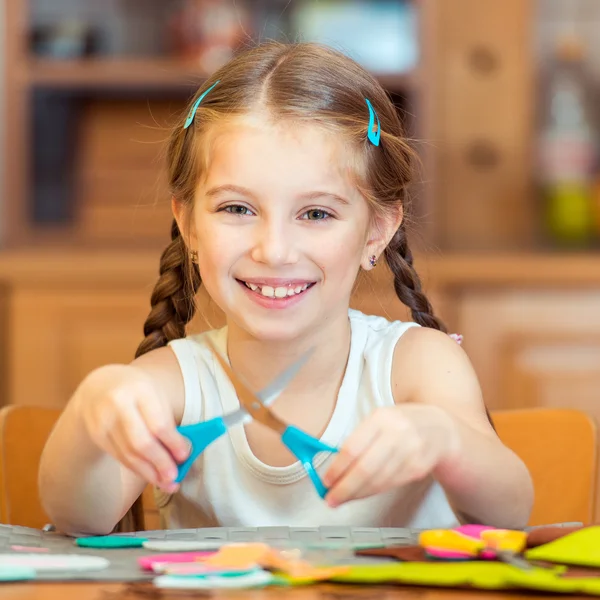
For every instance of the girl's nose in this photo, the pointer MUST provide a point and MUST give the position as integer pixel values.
(274, 244)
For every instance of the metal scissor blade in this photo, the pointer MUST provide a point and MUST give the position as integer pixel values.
(269, 394)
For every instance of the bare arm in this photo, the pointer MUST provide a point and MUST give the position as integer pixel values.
(484, 481)
(129, 411)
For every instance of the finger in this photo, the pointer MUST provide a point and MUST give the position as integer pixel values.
(355, 446)
(384, 479)
(138, 465)
(161, 424)
(359, 477)
(141, 443)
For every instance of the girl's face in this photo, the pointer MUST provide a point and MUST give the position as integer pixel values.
(280, 230)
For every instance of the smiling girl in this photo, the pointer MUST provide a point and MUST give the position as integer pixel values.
(288, 176)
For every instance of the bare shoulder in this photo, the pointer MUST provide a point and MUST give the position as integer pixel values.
(162, 368)
(432, 368)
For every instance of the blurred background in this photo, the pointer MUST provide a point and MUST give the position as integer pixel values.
(500, 99)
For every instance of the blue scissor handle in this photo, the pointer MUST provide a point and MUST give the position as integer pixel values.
(305, 447)
(200, 435)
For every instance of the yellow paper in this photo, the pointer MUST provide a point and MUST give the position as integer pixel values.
(477, 574)
(581, 547)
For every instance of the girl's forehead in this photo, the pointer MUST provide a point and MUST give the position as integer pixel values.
(256, 149)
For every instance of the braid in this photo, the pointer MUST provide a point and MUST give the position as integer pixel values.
(172, 300)
(173, 306)
(407, 283)
(408, 287)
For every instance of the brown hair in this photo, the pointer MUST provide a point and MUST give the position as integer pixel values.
(297, 83)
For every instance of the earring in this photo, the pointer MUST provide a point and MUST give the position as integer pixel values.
(373, 260)
(194, 256)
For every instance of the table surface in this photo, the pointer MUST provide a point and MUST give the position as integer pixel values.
(145, 591)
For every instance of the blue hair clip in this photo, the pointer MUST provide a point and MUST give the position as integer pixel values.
(192, 113)
(373, 135)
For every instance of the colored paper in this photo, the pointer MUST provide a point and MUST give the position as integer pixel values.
(581, 548)
(149, 563)
(110, 541)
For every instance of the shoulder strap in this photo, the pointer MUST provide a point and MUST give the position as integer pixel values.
(183, 349)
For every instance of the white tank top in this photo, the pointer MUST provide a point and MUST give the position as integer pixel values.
(228, 486)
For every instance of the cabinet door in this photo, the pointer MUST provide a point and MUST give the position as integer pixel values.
(535, 348)
(57, 337)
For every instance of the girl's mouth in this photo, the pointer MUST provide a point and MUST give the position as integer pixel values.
(277, 292)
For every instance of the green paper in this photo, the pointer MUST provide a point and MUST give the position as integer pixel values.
(578, 548)
(16, 573)
(110, 541)
(482, 575)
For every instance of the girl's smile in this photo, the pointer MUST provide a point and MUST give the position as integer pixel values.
(276, 293)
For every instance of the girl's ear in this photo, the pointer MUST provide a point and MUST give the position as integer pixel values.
(182, 215)
(382, 231)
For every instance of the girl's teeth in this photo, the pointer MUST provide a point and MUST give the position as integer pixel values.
(279, 292)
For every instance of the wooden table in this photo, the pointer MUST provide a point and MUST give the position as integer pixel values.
(94, 591)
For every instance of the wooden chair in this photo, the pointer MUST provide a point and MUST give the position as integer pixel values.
(23, 434)
(559, 447)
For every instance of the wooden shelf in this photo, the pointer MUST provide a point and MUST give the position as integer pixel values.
(144, 73)
(122, 73)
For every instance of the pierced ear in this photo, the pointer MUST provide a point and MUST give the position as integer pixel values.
(182, 215)
(382, 231)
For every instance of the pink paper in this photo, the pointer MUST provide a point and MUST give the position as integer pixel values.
(147, 562)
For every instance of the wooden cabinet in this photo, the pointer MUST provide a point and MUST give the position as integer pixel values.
(59, 336)
(535, 347)
(64, 314)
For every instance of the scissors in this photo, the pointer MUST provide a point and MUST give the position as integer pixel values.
(303, 446)
(476, 542)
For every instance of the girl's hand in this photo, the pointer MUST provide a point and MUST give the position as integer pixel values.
(393, 447)
(125, 417)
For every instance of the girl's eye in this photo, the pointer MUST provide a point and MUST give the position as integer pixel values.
(316, 214)
(237, 209)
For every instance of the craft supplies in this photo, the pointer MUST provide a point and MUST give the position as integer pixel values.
(149, 563)
(110, 541)
(182, 545)
(54, 562)
(474, 542)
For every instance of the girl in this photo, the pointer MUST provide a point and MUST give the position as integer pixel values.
(288, 176)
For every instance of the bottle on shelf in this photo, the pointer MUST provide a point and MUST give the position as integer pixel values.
(568, 153)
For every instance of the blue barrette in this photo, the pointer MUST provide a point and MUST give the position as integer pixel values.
(373, 135)
(192, 113)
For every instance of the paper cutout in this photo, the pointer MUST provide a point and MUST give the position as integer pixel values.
(183, 545)
(149, 563)
(110, 541)
(16, 573)
(29, 549)
(54, 562)
(483, 575)
(247, 555)
(578, 548)
(258, 578)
